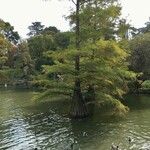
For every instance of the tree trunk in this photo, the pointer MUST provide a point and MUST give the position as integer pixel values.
(78, 108)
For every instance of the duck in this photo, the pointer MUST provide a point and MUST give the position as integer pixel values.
(74, 145)
(71, 146)
(5, 85)
(85, 134)
(115, 147)
(130, 140)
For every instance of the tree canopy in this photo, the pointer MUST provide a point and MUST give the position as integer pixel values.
(35, 29)
(8, 31)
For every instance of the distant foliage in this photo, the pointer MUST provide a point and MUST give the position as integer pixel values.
(140, 53)
(8, 31)
(146, 84)
(49, 39)
(35, 29)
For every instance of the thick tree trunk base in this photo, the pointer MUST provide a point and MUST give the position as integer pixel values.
(78, 111)
(79, 108)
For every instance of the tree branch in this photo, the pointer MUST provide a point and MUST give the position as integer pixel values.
(73, 2)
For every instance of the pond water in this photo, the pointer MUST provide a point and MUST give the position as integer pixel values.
(26, 124)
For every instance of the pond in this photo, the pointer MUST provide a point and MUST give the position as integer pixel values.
(26, 124)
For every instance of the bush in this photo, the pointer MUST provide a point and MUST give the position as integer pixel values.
(146, 84)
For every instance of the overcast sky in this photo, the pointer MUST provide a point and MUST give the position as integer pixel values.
(21, 13)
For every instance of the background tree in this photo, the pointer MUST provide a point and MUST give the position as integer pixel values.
(49, 39)
(8, 31)
(145, 29)
(50, 30)
(23, 65)
(140, 54)
(37, 46)
(5, 47)
(140, 47)
(35, 29)
(63, 39)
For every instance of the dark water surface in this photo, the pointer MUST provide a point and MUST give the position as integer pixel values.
(26, 124)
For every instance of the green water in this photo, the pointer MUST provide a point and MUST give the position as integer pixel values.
(26, 124)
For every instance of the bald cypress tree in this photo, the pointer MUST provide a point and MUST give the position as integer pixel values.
(78, 108)
(93, 64)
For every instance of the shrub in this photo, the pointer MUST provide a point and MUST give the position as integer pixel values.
(146, 84)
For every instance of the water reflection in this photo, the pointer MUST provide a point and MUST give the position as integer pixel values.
(26, 124)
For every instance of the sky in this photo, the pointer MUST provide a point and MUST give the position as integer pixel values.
(21, 13)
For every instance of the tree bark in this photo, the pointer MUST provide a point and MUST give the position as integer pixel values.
(78, 108)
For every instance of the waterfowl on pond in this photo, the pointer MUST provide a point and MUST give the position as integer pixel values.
(71, 146)
(114, 147)
(74, 145)
(130, 140)
(84, 134)
(5, 85)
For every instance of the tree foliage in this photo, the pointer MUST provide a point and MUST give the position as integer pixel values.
(140, 53)
(8, 31)
(145, 29)
(103, 65)
(35, 29)
(50, 40)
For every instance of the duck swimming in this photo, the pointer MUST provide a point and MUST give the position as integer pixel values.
(115, 147)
